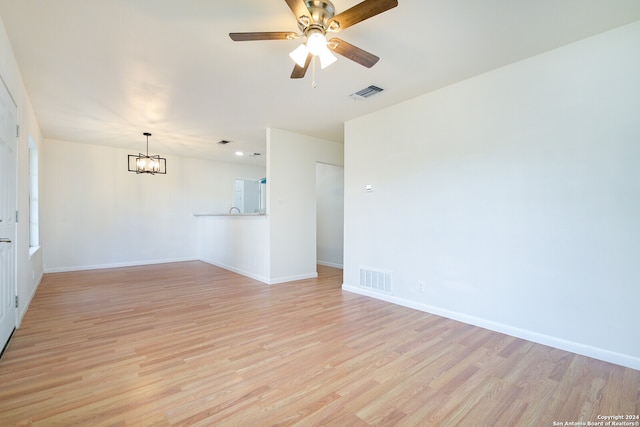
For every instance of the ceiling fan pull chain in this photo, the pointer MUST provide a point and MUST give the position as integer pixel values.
(313, 72)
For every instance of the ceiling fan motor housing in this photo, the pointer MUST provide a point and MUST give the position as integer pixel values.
(321, 12)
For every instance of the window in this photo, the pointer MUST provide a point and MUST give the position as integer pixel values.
(34, 227)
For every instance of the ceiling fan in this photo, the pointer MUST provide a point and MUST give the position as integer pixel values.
(315, 19)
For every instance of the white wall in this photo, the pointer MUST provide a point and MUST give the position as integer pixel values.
(291, 201)
(106, 216)
(29, 272)
(329, 214)
(236, 243)
(280, 246)
(513, 196)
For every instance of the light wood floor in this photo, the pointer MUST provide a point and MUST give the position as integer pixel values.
(190, 344)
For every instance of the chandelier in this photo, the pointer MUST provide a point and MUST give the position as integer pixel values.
(142, 163)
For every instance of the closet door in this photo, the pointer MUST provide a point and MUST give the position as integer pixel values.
(8, 159)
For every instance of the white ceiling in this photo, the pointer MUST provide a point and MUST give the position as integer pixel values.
(105, 71)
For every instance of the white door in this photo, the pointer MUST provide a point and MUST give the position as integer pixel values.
(8, 159)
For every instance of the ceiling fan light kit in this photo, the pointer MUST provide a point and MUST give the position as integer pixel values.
(316, 46)
(299, 55)
(316, 18)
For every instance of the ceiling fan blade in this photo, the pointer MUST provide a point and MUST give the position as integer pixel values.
(273, 35)
(362, 11)
(298, 71)
(298, 7)
(352, 52)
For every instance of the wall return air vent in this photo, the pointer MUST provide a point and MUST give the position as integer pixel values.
(366, 93)
(376, 280)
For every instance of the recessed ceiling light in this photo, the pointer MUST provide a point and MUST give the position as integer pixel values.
(239, 153)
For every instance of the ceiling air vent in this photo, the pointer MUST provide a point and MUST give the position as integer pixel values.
(366, 92)
(224, 142)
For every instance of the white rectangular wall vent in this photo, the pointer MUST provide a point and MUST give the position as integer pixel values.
(376, 280)
(366, 92)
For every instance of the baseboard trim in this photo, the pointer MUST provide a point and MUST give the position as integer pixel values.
(263, 279)
(330, 264)
(240, 271)
(293, 278)
(548, 340)
(114, 265)
(25, 306)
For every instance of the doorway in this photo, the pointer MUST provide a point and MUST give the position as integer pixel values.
(329, 215)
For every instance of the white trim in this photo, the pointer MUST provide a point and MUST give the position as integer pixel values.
(115, 265)
(24, 306)
(263, 279)
(285, 279)
(330, 264)
(551, 341)
(245, 273)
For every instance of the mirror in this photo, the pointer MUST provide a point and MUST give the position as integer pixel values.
(249, 196)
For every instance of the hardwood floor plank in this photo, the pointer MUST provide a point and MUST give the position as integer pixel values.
(190, 344)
